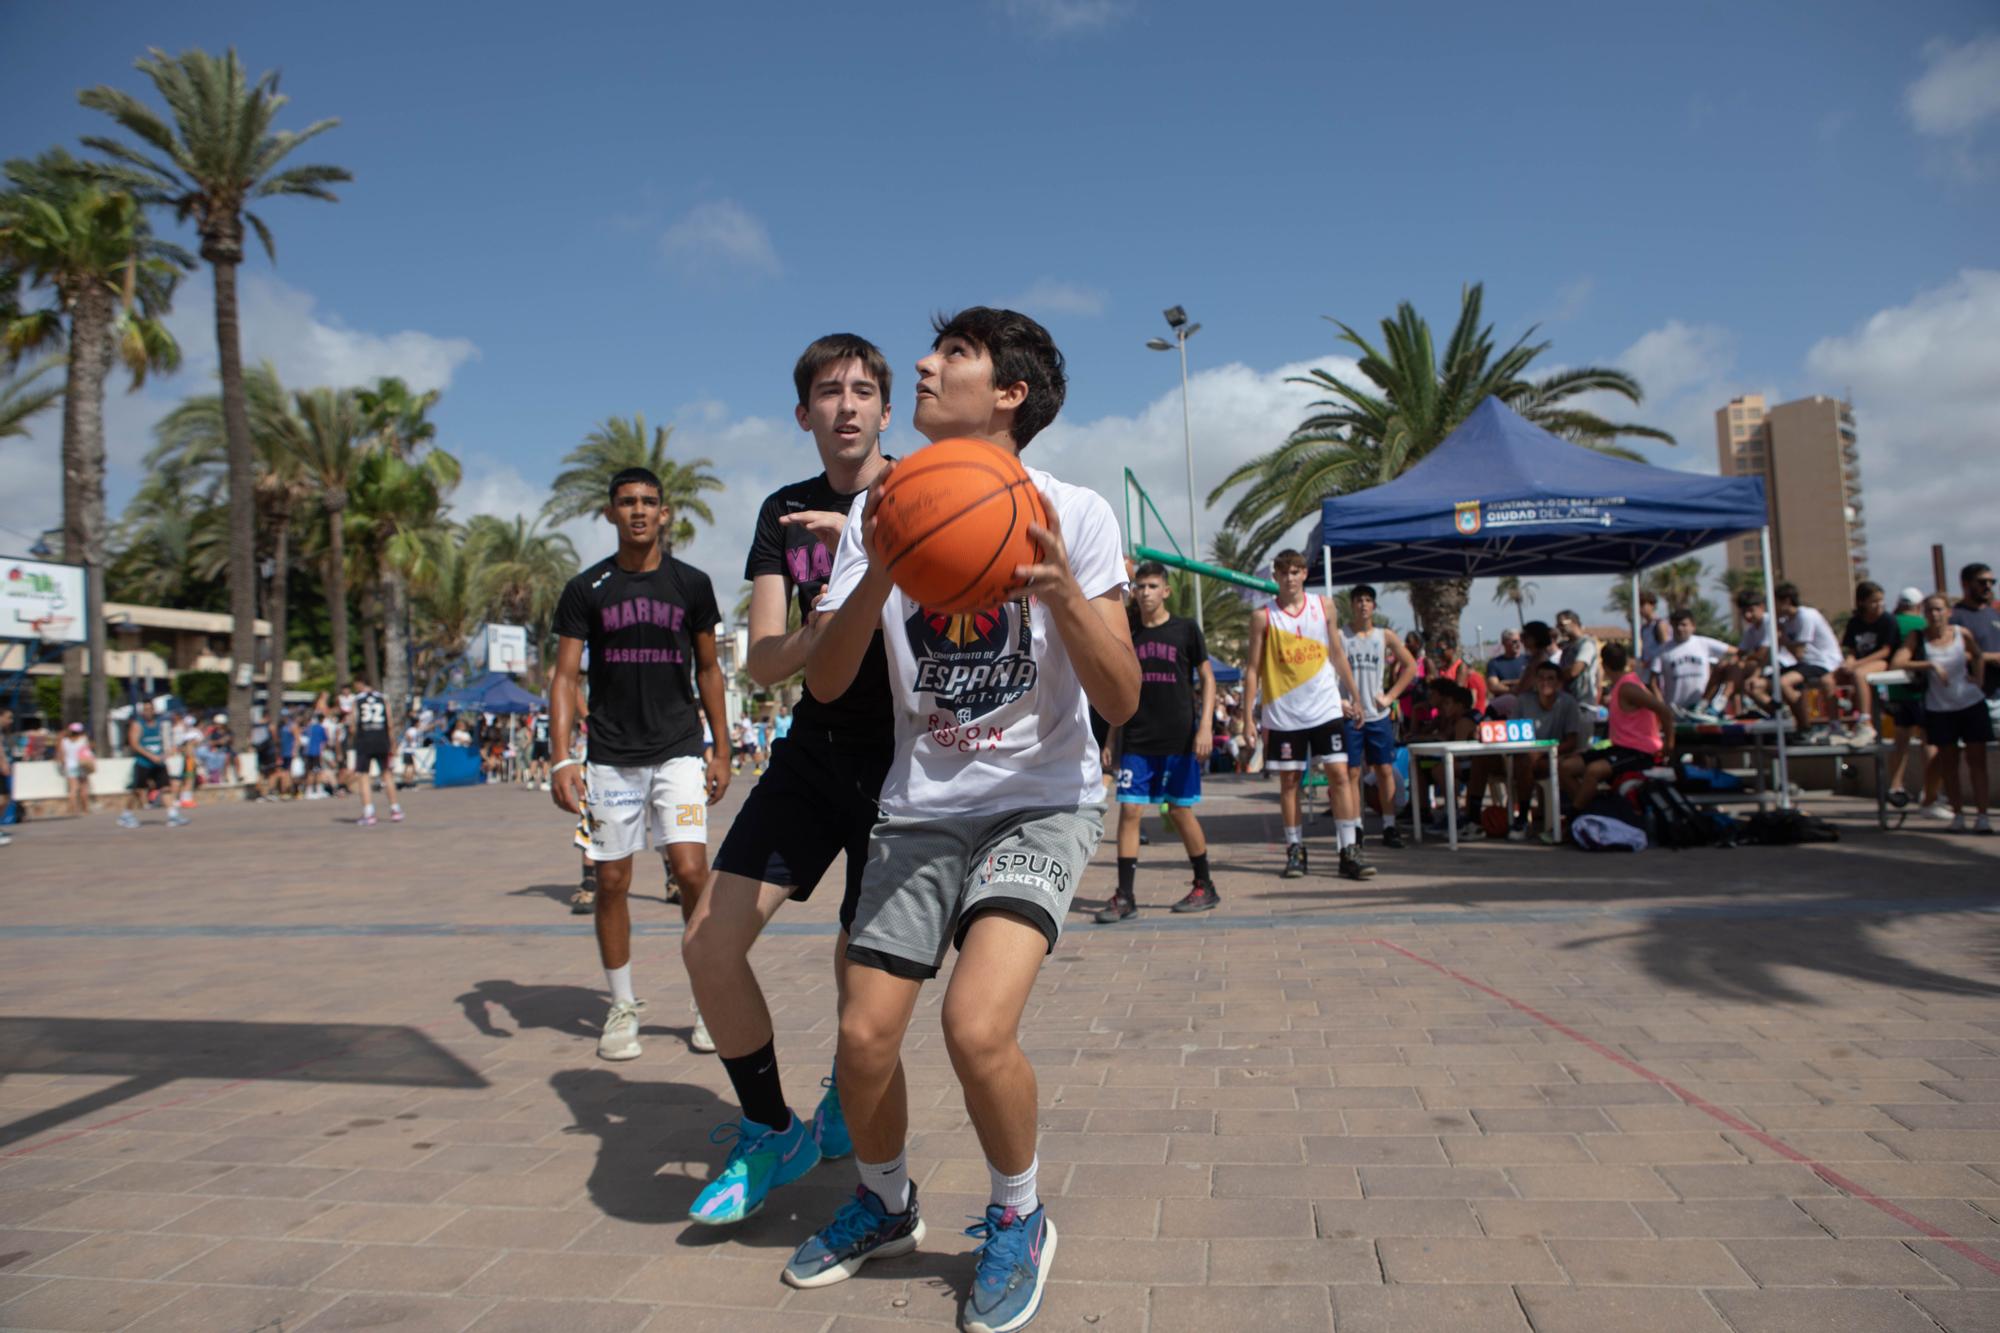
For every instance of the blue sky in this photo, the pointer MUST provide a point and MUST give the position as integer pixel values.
(562, 214)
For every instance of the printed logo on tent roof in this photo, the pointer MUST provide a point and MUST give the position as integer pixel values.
(1466, 517)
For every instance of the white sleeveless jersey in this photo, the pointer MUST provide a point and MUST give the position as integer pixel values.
(1296, 675)
(1368, 657)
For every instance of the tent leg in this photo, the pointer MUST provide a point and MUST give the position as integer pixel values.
(1638, 645)
(1777, 675)
(1326, 568)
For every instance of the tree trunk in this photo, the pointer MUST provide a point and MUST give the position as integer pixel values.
(1521, 613)
(336, 588)
(371, 612)
(281, 560)
(1438, 603)
(90, 353)
(224, 257)
(395, 642)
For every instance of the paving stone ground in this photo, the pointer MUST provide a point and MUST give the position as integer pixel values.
(278, 1072)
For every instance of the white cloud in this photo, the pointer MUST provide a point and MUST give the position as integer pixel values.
(1959, 88)
(720, 232)
(1570, 300)
(1926, 393)
(280, 323)
(1050, 296)
(1058, 17)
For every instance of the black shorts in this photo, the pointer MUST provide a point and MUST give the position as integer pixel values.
(815, 801)
(1624, 760)
(371, 756)
(1905, 712)
(1962, 726)
(1294, 751)
(1810, 675)
(538, 752)
(149, 777)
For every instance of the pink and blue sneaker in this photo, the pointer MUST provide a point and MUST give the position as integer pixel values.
(1015, 1251)
(863, 1229)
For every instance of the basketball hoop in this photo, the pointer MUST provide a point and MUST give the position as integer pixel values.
(51, 629)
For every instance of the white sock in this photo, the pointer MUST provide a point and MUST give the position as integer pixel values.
(368, 812)
(1347, 830)
(1294, 833)
(889, 1182)
(395, 807)
(1016, 1192)
(620, 981)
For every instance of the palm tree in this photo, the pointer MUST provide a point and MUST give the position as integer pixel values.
(170, 546)
(399, 418)
(1225, 613)
(332, 432)
(400, 421)
(1516, 592)
(523, 570)
(21, 398)
(218, 154)
(580, 489)
(192, 439)
(110, 282)
(1363, 436)
(396, 506)
(448, 600)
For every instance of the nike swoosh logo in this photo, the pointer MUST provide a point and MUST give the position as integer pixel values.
(767, 1069)
(734, 1194)
(797, 1148)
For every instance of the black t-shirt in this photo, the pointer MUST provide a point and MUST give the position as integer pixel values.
(1170, 658)
(1862, 637)
(640, 630)
(371, 719)
(541, 728)
(862, 715)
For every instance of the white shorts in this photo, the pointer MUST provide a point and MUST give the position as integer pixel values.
(627, 810)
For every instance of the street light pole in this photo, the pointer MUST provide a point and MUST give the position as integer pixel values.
(1177, 320)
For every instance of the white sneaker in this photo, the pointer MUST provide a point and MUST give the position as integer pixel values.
(128, 820)
(1938, 810)
(175, 819)
(1957, 824)
(699, 1041)
(1983, 824)
(621, 1032)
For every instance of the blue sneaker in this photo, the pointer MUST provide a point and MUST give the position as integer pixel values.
(860, 1231)
(1014, 1257)
(829, 1125)
(760, 1160)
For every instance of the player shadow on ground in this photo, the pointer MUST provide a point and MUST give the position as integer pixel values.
(657, 1147)
(1744, 913)
(559, 893)
(574, 1011)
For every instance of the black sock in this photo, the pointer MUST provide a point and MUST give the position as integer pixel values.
(1128, 870)
(1200, 864)
(758, 1091)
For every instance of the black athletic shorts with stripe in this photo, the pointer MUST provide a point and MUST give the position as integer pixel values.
(815, 800)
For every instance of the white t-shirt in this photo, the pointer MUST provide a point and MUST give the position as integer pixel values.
(1753, 640)
(1808, 629)
(990, 716)
(1683, 668)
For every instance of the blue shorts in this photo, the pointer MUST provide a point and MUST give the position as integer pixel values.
(1148, 779)
(1371, 742)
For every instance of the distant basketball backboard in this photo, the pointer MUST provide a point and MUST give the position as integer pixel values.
(501, 648)
(41, 600)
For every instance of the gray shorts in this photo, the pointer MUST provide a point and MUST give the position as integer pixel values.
(927, 879)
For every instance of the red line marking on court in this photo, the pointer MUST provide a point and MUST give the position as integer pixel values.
(1779, 1146)
(205, 1094)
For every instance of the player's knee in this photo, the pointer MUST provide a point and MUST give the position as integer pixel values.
(869, 1043)
(975, 1037)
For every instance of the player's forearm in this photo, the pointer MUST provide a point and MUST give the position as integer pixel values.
(708, 679)
(1106, 667)
(778, 657)
(835, 653)
(562, 715)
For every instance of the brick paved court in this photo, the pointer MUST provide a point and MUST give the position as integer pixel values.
(280, 1072)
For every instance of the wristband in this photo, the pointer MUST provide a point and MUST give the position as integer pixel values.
(561, 764)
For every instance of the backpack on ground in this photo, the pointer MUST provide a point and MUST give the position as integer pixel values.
(1787, 828)
(1672, 820)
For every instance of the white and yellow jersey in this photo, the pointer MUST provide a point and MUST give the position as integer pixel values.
(1295, 679)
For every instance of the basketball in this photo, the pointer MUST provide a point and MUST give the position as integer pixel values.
(952, 525)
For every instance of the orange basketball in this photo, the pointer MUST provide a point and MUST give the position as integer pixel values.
(952, 524)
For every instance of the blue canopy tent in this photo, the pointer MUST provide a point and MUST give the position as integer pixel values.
(1500, 495)
(494, 692)
(1225, 674)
